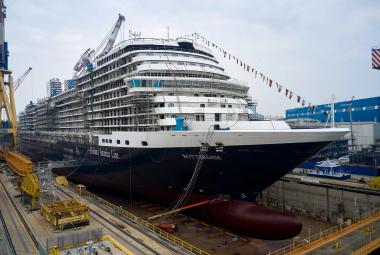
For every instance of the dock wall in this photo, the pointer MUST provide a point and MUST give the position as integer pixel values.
(319, 201)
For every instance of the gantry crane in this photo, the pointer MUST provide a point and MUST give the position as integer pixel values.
(61, 212)
(21, 165)
(87, 58)
(7, 101)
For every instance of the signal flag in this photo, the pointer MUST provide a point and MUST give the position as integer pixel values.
(376, 58)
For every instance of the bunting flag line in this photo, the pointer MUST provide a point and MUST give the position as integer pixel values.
(265, 79)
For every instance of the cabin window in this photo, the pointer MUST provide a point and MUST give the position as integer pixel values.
(103, 141)
(144, 143)
(200, 117)
(118, 141)
(126, 142)
(110, 141)
(202, 105)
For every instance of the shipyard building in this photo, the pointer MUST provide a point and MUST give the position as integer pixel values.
(363, 114)
(360, 115)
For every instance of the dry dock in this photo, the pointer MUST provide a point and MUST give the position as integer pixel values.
(30, 233)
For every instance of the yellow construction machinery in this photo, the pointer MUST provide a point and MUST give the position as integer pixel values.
(61, 180)
(27, 180)
(375, 182)
(30, 186)
(65, 213)
(20, 164)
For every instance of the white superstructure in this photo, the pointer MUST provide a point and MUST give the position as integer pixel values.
(143, 86)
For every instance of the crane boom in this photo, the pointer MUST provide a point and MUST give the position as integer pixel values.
(83, 60)
(112, 36)
(21, 79)
(89, 55)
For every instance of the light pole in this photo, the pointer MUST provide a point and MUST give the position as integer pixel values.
(350, 115)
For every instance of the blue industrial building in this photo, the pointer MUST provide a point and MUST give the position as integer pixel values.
(362, 110)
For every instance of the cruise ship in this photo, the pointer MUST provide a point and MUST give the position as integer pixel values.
(160, 119)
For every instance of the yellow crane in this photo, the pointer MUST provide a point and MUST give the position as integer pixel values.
(21, 165)
(59, 213)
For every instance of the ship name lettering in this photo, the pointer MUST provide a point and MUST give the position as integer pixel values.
(207, 157)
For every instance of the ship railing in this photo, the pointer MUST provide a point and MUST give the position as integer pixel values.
(148, 40)
(145, 224)
(299, 244)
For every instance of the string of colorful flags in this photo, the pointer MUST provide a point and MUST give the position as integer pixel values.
(256, 73)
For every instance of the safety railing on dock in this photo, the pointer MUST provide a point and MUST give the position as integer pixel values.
(303, 243)
(73, 240)
(163, 234)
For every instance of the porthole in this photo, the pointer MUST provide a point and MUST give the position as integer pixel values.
(144, 143)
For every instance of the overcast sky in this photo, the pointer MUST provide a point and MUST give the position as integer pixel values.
(314, 48)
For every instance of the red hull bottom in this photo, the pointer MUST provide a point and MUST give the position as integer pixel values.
(252, 220)
(241, 217)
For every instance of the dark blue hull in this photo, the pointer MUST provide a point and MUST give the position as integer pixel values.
(241, 172)
(162, 174)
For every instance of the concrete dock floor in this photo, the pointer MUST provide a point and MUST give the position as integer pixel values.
(42, 230)
(215, 240)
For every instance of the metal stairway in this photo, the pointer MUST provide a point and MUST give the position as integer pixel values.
(47, 187)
